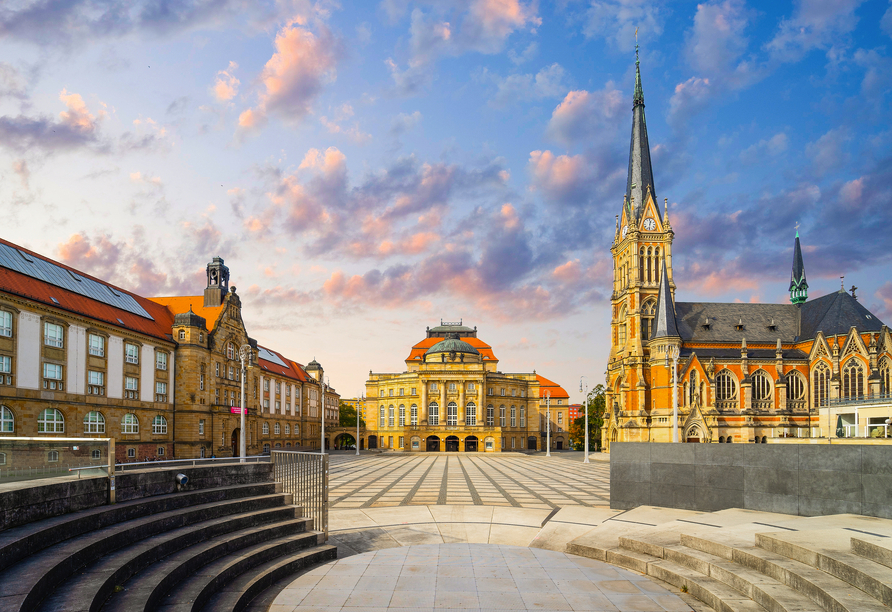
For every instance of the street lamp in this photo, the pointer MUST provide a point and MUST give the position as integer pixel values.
(672, 353)
(548, 423)
(585, 399)
(324, 388)
(360, 403)
(245, 356)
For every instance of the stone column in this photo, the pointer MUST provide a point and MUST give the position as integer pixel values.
(442, 402)
(261, 394)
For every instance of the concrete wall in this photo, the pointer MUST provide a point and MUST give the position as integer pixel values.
(808, 480)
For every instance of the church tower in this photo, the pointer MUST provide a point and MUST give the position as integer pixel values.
(218, 283)
(642, 253)
(798, 284)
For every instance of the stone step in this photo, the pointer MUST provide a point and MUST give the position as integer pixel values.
(20, 542)
(874, 549)
(237, 594)
(147, 590)
(810, 548)
(24, 585)
(88, 589)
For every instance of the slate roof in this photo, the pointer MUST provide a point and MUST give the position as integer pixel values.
(640, 168)
(734, 353)
(482, 347)
(797, 275)
(665, 318)
(836, 313)
(724, 318)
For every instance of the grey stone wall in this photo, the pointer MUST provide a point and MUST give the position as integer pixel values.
(808, 480)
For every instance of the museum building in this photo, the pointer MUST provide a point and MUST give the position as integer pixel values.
(453, 397)
(80, 357)
(743, 372)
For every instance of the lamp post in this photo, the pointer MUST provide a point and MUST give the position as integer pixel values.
(245, 356)
(548, 423)
(672, 353)
(585, 399)
(361, 403)
(324, 387)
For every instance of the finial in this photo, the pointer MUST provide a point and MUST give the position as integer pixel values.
(636, 46)
(797, 229)
(842, 284)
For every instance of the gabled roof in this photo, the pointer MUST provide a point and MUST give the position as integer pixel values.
(664, 321)
(835, 314)
(482, 347)
(274, 363)
(57, 297)
(723, 320)
(179, 304)
(549, 385)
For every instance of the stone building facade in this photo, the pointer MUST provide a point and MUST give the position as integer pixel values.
(740, 372)
(80, 357)
(453, 397)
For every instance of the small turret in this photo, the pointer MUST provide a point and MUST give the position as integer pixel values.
(798, 284)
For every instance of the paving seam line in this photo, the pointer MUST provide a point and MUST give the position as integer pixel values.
(358, 489)
(380, 494)
(549, 487)
(514, 503)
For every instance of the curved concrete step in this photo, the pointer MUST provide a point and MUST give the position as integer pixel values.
(872, 578)
(20, 542)
(88, 589)
(147, 590)
(874, 549)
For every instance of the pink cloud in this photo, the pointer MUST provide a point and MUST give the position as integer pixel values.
(568, 272)
(78, 117)
(884, 294)
(226, 84)
(557, 175)
(584, 115)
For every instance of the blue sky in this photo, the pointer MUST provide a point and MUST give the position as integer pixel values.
(366, 169)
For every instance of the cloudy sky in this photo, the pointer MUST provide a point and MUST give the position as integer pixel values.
(366, 169)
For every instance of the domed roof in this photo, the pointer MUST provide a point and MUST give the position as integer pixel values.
(314, 365)
(189, 319)
(452, 344)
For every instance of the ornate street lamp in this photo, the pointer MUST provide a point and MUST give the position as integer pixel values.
(246, 357)
(585, 399)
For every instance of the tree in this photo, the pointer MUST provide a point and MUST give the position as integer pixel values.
(347, 416)
(597, 404)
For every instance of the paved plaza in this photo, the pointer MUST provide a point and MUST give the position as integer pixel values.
(504, 479)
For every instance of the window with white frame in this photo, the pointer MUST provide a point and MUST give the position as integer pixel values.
(266, 404)
(159, 425)
(433, 413)
(560, 402)
(452, 414)
(160, 451)
(230, 351)
(502, 392)
(95, 382)
(402, 415)
(390, 392)
(560, 418)
(5, 323)
(201, 381)
(217, 368)
(7, 420)
(52, 376)
(277, 429)
(5, 370)
(502, 415)
(266, 384)
(278, 406)
(52, 456)
(201, 427)
(50, 421)
(131, 387)
(131, 353)
(513, 416)
(129, 424)
(2, 458)
(490, 416)
(382, 416)
(287, 429)
(413, 415)
(265, 429)
(131, 453)
(231, 373)
(390, 416)
(523, 416)
(471, 414)
(53, 335)
(94, 423)
(182, 334)
(97, 345)
(160, 360)
(160, 391)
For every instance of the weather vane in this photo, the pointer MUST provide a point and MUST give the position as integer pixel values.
(636, 44)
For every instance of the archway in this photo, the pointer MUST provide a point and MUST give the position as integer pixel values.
(361, 444)
(433, 444)
(451, 444)
(345, 441)
(234, 440)
(373, 442)
(471, 444)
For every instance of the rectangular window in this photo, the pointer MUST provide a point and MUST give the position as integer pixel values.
(413, 391)
(278, 406)
(560, 402)
(52, 334)
(201, 427)
(513, 442)
(390, 392)
(201, 382)
(401, 393)
(5, 323)
(433, 386)
(231, 373)
(266, 404)
(402, 417)
(560, 418)
(523, 416)
(161, 360)
(160, 391)
(389, 441)
(401, 441)
(52, 376)
(266, 385)
(217, 367)
(513, 392)
(503, 392)
(97, 345)
(490, 391)
(131, 453)
(95, 382)
(452, 386)
(513, 416)
(131, 353)
(433, 418)
(414, 415)
(5, 364)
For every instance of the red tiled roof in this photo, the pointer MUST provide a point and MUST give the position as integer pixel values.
(291, 370)
(419, 349)
(548, 385)
(19, 284)
(181, 304)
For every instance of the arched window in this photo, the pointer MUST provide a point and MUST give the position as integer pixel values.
(296, 429)
(650, 267)
(265, 429)
(390, 416)
(657, 268)
(513, 416)
(821, 384)
(230, 351)
(885, 376)
(402, 415)
(413, 415)
(50, 421)
(382, 417)
(7, 420)
(433, 413)
(159, 425)
(692, 388)
(853, 379)
(621, 328)
(452, 414)
(643, 269)
(725, 386)
(762, 388)
(277, 429)
(129, 424)
(501, 416)
(647, 318)
(796, 387)
(94, 422)
(287, 429)
(490, 416)
(471, 414)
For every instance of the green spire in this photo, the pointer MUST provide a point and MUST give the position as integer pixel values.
(639, 92)
(798, 284)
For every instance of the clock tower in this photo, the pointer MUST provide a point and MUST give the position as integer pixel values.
(642, 245)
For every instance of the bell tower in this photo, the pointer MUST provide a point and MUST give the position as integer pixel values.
(218, 283)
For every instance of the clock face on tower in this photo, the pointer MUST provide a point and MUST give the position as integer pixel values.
(625, 230)
(649, 224)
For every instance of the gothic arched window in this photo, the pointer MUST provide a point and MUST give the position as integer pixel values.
(761, 387)
(853, 379)
(796, 387)
(621, 328)
(821, 384)
(885, 376)
(725, 386)
(647, 318)
(692, 388)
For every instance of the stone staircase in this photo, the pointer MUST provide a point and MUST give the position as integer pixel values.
(214, 548)
(747, 561)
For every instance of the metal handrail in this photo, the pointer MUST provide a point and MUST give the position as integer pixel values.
(123, 466)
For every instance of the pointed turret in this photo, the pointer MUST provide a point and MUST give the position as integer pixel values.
(641, 177)
(798, 284)
(664, 320)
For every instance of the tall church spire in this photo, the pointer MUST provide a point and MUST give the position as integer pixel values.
(798, 284)
(664, 320)
(641, 177)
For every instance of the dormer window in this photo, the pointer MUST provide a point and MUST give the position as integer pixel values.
(772, 326)
(707, 324)
(739, 326)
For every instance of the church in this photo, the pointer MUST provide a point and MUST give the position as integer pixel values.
(735, 372)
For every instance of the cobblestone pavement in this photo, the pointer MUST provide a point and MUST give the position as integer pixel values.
(504, 479)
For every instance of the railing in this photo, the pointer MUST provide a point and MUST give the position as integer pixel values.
(305, 476)
(49, 457)
(167, 463)
(861, 400)
(733, 404)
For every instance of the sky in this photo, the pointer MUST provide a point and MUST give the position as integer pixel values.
(367, 169)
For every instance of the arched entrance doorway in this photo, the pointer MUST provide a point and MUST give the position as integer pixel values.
(433, 444)
(373, 442)
(452, 444)
(693, 434)
(345, 441)
(235, 443)
(471, 444)
(361, 444)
